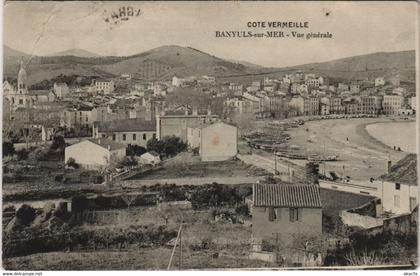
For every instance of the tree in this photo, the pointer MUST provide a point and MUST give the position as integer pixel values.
(8, 148)
(58, 143)
(135, 150)
(25, 214)
(312, 172)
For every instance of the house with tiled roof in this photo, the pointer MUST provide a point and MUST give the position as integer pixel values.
(95, 153)
(285, 211)
(128, 131)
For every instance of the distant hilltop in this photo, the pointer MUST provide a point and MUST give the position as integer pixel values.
(166, 61)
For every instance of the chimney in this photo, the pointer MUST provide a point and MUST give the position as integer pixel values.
(389, 166)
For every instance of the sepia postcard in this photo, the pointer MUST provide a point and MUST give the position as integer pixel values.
(221, 135)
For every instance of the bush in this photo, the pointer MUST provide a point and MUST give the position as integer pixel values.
(135, 150)
(242, 210)
(59, 178)
(58, 143)
(22, 154)
(25, 214)
(168, 145)
(215, 195)
(72, 163)
(99, 179)
(8, 148)
(39, 154)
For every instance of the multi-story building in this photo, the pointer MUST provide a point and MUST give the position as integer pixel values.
(104, 86)
(351, 106)
(128, 132)
(61, 90)
(392, 104)
(77, 116)
(240, 105)
(370, 104)
(167, 125)
(336, 106)
(307, 106)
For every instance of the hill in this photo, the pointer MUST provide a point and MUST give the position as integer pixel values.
(75, 52)
(166, 61)
(370, 65)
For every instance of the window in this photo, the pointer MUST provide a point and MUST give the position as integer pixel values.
(20, 101)
(124, 137)
(293, 214)
(114, 137)
(397, 186)
(134, 137)
(271, 214)
(144, 136)
(154, 135)
(396, 200)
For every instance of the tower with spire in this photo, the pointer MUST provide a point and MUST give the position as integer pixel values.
(22, 80)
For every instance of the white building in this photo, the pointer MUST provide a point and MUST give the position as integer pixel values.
(392, 104)
(413, 103)
(216, 142)
(104, 86)
(380, 81)
(151, 158)
(61, 90)
(95, 153)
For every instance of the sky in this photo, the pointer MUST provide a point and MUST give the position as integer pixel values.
(43, 28)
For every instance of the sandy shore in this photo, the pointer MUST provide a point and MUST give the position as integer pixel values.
(361, 155)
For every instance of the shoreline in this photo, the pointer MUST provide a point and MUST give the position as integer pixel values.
(362, 155)
(365, 133)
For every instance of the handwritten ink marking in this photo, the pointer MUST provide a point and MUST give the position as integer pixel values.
(123, 13)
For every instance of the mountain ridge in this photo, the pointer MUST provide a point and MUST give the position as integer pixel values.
(165, 61)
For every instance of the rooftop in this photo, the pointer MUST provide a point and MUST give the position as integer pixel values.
(135, 124)
(107, 144)
(278, 195)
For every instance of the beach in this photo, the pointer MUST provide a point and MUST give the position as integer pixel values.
(361, 156)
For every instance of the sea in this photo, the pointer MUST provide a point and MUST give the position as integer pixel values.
(398, 134)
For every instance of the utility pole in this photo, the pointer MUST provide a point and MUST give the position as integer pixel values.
(180, 250)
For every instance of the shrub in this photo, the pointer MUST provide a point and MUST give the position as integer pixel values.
(99, 179)
(58, 143)
(25, 214)
(242, 210)
(8, 148)
(59, 178)
(135, 150)
(72, 163)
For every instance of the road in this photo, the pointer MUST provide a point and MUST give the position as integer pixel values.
(286, 172)
(235, 180)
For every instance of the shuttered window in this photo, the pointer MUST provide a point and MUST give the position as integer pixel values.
(294, 214)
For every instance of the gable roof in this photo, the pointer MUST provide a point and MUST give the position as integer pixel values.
(279, 195)
(135, 124)
(105, 143)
